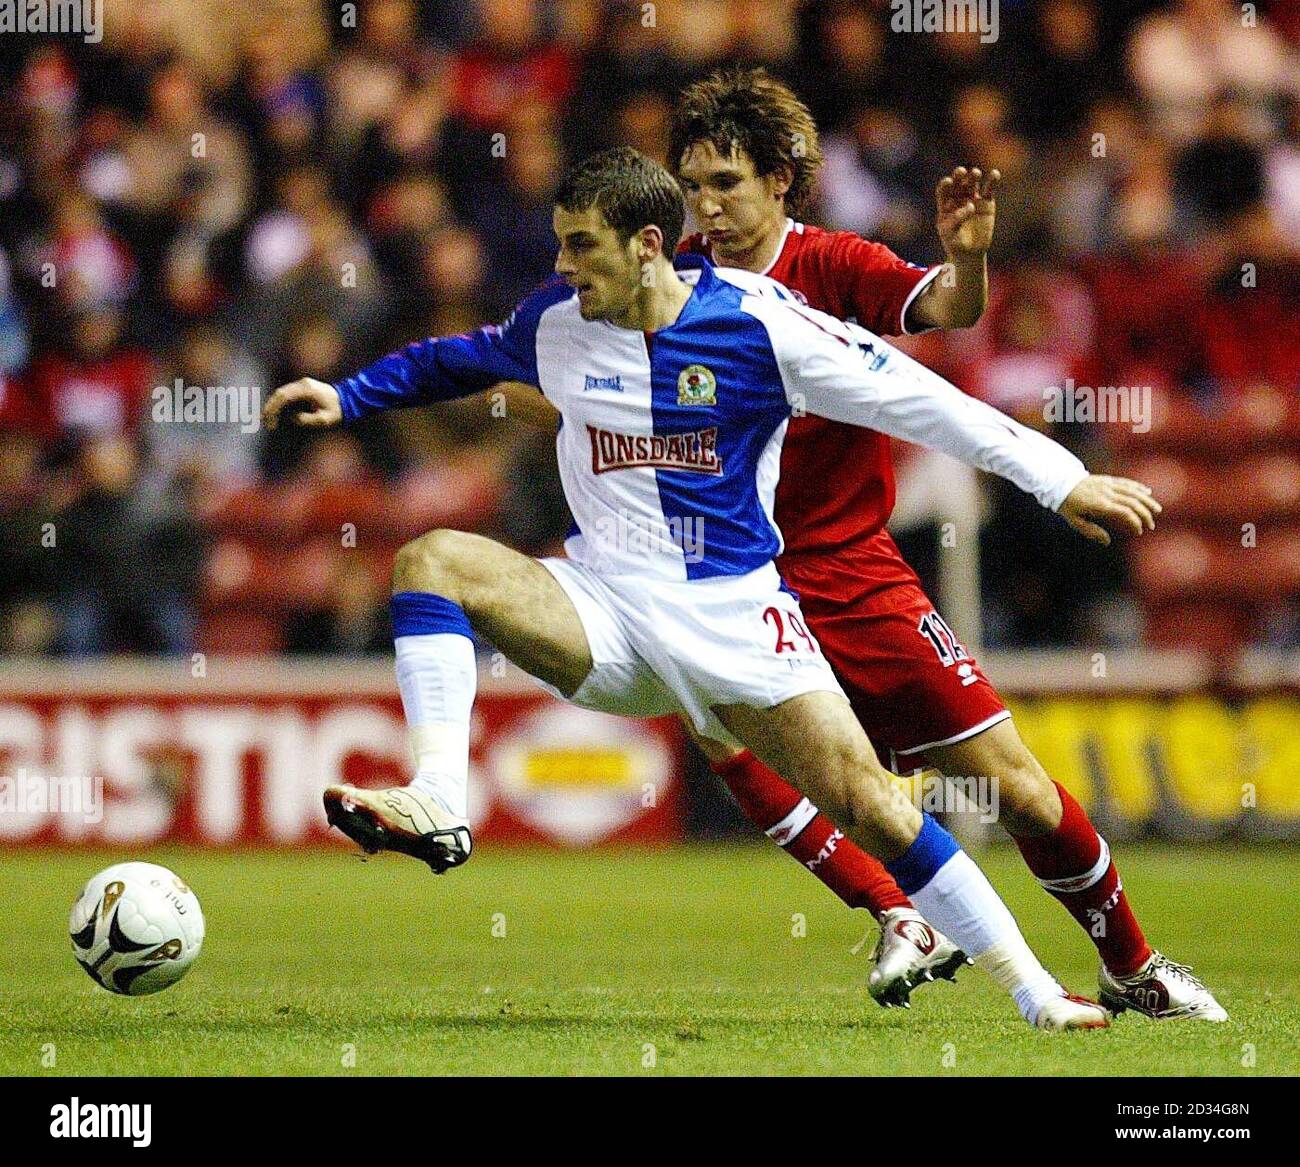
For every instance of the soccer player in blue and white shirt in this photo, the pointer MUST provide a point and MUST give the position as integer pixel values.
(675, 386)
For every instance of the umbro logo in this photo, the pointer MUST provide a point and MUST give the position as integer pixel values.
(874, 359)
(613, 384)
(918, 934)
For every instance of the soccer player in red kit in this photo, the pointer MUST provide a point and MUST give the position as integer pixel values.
(745, 150)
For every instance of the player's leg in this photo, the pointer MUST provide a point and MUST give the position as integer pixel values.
(862, 636)
(1072, 861)
(446, 585)
(918, 691)
(786, 817)
(1064, 852)
(815, 741)
(910, 952)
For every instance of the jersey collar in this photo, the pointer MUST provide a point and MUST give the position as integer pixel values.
(688, 260)
(703, 286)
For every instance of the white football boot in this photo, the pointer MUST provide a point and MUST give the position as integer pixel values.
(1071, 1012)
(399, 818)
(910, 952)
(1161, 989)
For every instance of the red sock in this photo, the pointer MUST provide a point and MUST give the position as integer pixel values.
(1066, 863)
(799, 828)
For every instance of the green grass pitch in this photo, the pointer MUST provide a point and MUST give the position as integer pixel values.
(690, 960)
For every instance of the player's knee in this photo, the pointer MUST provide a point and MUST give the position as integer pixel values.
(433, 562)
(862, 807)
(715, 752)
(876, 816)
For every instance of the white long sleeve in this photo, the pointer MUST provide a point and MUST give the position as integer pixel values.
(845, 373)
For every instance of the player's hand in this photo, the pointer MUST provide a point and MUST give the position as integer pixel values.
(1102, 504)
(320, 404)
(967, 209)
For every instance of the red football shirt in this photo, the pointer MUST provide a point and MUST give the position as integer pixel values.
(837, 481)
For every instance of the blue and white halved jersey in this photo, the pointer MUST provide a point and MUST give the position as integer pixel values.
(670, 442)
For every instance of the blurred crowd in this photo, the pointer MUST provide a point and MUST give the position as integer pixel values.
(235, 195)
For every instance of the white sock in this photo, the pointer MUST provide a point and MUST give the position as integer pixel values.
(438, 677)
(960, 901)
(1014, 966)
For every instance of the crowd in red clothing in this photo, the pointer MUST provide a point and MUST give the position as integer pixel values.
(251, 199)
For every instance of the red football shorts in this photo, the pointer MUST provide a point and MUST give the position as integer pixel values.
(910, 680)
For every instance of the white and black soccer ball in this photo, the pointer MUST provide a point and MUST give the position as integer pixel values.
(136, 928)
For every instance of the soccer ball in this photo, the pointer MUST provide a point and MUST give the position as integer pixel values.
(136, 928)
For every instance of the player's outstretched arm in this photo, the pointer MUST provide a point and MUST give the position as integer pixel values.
(847, 374)
(442, 369)
(427, 371)
(320, 407)
(1102, 503)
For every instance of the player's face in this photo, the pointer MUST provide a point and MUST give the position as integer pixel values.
(737, 209)
(604, 268)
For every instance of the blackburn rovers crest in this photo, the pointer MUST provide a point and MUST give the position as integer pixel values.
(696, 385)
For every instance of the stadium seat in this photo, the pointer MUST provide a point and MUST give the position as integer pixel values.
(1279, 551)
(1209, 594)
(261, 513)
(1255, 419)
(240, 573)
(237, 631)
(464, 496)
(379, 561)
(1169, 564)
(1197, 489)
(1272, 482)
(310, 571)
(368, 507)
(1216, 629)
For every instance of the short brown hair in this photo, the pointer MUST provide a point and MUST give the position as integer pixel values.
(631, 190)
(750, 110)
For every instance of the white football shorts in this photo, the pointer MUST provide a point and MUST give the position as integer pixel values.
(659, 647)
